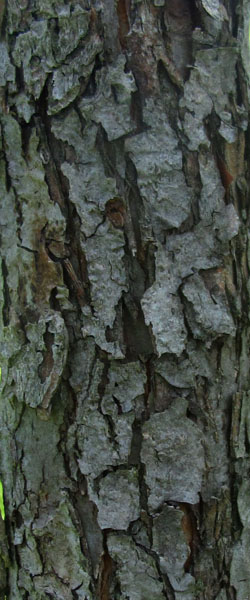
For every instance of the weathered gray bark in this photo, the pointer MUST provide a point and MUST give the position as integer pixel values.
(124, 412)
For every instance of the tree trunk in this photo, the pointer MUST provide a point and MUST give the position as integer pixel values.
(124, 412)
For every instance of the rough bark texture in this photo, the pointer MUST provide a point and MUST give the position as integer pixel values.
(124, 412)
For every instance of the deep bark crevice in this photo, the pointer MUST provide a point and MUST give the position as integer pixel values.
(6, 293)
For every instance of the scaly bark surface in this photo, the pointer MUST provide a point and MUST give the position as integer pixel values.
(124, 411)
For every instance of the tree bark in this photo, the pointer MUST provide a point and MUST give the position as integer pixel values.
(124, 411)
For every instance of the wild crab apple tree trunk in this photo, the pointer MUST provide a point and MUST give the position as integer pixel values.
(124, 412)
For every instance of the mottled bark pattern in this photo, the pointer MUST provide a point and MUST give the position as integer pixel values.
(124, 412)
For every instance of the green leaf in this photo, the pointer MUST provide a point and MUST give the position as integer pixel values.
(2, 510)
